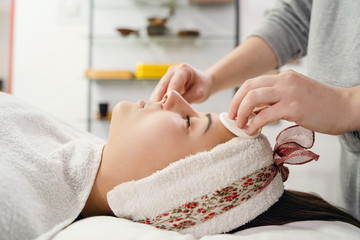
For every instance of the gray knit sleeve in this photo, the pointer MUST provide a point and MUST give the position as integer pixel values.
(286, 29)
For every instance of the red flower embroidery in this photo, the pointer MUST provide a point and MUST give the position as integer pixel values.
(188, 222)
(191, 205)
(146, 222)
(201, 210)
(227, 208)
(232, 196)
(216, 203)
(211, 215)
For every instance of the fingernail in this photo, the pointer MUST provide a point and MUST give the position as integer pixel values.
(231, 115)
(248, 131)
(239, 124)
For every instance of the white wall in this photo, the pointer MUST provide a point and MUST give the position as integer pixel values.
(4, 39)
(50, 57)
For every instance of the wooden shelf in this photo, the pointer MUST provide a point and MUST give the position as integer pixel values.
(108, 75)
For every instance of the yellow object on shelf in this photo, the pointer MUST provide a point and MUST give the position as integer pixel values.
(107, 74)
(151, 70)
(108, 116)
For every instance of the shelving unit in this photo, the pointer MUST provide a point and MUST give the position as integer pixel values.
(108, 50)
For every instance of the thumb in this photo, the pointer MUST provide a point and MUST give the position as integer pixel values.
(162, 86)
(157, 94)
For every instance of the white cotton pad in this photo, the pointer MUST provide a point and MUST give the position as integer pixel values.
(231, 126)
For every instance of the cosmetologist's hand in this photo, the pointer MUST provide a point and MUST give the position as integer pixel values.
(193, 84)
(293, 97)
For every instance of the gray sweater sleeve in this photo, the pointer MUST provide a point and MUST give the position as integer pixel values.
(286, 29)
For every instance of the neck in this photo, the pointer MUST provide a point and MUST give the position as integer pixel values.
(97, 203)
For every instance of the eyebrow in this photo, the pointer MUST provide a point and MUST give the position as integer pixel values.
(210, 121)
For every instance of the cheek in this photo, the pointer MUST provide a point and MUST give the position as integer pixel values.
(160, 133)
(161, 142)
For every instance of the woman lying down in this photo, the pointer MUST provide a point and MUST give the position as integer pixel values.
(164, 164)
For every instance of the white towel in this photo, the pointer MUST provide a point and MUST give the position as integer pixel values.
(47, 169)
(176, 192)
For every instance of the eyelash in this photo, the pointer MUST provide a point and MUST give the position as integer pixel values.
(188, 120)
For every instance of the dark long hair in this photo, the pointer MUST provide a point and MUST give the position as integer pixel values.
(296, 206)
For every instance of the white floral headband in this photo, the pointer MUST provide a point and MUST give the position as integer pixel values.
(215, 191)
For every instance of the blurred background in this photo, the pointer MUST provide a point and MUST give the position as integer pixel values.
(77, 58)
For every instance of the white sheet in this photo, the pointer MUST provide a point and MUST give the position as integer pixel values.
(116, 228)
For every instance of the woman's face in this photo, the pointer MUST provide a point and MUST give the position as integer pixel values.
(146, 137)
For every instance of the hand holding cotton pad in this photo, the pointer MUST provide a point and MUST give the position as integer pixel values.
(231, 126)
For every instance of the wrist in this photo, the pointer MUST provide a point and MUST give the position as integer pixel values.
(213, 81)
(352, 96)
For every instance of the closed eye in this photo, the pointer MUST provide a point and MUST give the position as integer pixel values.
(188, 120)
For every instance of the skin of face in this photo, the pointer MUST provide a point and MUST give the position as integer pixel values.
(147, 137)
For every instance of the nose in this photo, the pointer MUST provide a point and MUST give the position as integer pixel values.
(173, 101)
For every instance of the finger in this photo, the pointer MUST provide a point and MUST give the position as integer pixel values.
(162, 87)
(257, 110)
(250, 84)
(256, 98)
(181, 80)
(267, 115)
(192, 95)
